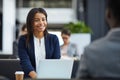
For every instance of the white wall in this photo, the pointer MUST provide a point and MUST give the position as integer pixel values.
(9, 8)
(55, 15)
(81, 40)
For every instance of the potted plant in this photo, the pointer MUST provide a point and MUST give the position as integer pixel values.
(78, 27)
(81, 34)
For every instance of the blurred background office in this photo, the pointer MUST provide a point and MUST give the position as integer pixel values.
(59, 13)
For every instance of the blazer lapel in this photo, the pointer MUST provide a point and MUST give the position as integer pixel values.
(31, 49)
(46, 46)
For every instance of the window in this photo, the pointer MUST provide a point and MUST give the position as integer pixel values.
(45, 3)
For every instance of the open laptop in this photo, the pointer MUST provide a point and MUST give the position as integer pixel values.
(55, 69)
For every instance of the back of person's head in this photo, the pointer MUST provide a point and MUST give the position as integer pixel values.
(114, 7)
(66, 32)
(23, 30)
(24, 27)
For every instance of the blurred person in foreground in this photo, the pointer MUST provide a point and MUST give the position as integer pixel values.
(101, 59)
(68, 50)
(38, 44)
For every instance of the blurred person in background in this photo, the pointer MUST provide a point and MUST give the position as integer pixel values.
(68, 49)
(22, 31)
(38, 44)
(101, 59)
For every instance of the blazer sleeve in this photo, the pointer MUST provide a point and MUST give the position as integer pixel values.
(56, 53)
(23, 55)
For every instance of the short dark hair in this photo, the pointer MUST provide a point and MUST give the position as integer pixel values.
(23, 27)
(114, 6)
(66, 32)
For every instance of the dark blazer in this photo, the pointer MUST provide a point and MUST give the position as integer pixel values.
(27, 53)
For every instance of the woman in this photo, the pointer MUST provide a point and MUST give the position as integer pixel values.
(37, 44)
(68, 49)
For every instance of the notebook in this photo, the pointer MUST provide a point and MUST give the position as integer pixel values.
(55, 69)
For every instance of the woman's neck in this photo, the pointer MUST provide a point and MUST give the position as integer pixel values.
(38, 35)
(66, 43)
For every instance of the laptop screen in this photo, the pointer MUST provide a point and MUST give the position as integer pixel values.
(55, 69)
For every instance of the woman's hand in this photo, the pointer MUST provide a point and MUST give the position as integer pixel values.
(33, 74)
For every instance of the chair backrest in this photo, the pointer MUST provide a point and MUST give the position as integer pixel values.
(8, 56)
(3, 78)
(5, 56)
(8, 68)
(75, 68)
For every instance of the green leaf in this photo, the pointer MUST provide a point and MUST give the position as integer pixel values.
(78, 27)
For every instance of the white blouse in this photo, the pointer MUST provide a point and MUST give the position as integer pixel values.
(40, 53)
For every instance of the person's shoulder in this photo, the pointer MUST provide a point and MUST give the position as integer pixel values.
(15, 42)
(98, 41)
(73, 44)
(22, 37)
(97, 44)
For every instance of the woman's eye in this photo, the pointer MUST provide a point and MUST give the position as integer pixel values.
(36, 20)
(43, 19)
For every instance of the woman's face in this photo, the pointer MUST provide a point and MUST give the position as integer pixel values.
(39, 23)
(66, 38)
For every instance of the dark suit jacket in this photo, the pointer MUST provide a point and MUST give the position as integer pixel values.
(27, 53)
(101, 59)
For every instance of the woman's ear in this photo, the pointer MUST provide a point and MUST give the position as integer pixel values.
(108, 14)
(109, 17)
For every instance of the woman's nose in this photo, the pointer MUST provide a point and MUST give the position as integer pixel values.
(40, 22)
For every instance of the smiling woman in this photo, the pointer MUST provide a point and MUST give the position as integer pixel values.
(37, 44)
(39, 25)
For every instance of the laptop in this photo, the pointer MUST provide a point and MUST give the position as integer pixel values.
(55, 69)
